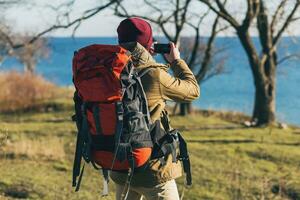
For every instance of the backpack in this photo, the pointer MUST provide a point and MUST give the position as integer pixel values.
(115, 131)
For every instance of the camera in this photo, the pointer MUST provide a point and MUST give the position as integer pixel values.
(162, 48)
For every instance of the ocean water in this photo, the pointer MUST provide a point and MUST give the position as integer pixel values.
(232, 90)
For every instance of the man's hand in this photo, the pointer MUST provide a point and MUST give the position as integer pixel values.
(174, 53)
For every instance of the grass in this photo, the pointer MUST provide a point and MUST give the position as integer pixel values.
(229, 161)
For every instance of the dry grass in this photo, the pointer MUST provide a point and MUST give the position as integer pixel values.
(50, 149)
(231, 116)
(22, 91)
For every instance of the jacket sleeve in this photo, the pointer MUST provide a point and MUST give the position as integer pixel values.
(181, 87)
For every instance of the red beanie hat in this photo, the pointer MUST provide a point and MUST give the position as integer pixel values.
(135, 30)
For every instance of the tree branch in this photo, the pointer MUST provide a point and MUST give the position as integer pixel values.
(183, 15)
(153, 6)
(276, 14)
(286, 23)
(288, 57)
(196, 41)
(252, 11)
(222, 12)
(208, 52)
(87, 14)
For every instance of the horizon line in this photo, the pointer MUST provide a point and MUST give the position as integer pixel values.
(222, 36)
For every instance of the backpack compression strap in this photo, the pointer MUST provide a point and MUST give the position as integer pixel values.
(83, 143)
(79, 143)
(183, 156)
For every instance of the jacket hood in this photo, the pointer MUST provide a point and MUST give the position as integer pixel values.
(141, 58)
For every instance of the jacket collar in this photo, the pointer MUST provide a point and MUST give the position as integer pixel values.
(141, 58)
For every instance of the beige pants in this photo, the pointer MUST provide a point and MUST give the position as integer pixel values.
(164, 191)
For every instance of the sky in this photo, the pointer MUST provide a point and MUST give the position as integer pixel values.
(37, 15)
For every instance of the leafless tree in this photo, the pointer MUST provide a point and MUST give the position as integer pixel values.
(5, 49)
(28, 49)
(172, 17)
(60, 24)
(31, 53)
(263, 64)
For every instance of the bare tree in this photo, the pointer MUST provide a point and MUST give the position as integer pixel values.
(4, 29)
(31, 53)
(60, 24)
(270, 28)
(28, 49)
(172, 17)
(5, 49)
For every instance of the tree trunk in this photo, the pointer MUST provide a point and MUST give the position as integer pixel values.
(264, 104)
(185, 109)
(264, 73)
(29, 67)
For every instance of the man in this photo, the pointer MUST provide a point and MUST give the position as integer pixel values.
(157, 181)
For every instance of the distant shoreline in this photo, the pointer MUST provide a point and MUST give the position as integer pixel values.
(233, 90)
(91, 37)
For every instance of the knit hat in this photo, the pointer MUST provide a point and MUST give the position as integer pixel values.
(135, 30)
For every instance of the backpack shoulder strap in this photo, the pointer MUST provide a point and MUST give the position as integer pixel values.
(165, 120)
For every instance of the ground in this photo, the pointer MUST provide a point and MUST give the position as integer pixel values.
(229, 161)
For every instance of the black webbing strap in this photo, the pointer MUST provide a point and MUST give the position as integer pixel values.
(169, 148)
(80, 178)
(86, 135)
(96, 116)
(165, 121)
(184, 156)
(126, 189)
(83, 146)
(120, 111)
(97, 120)
(79, 142)
(77, 160)
(173, 146)
(119, 128)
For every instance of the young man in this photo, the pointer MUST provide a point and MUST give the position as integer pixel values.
(157, 181)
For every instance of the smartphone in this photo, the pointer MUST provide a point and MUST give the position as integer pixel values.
(162, 48)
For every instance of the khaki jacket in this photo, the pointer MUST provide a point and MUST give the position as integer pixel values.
(160, 86)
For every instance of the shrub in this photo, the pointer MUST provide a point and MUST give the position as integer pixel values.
(22, 91)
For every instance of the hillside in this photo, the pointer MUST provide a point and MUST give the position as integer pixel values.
(229, 161)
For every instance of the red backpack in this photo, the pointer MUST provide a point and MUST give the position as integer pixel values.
(112, 117)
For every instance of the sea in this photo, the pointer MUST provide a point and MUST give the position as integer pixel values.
(232, 90)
